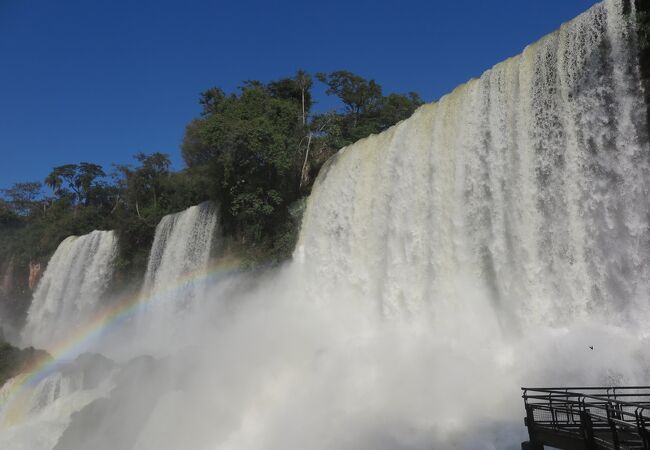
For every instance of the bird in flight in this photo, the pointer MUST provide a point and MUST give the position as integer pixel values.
(591, 347)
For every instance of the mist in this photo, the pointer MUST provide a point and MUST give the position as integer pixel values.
(496, 239)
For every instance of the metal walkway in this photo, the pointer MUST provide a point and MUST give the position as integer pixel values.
(590, 418)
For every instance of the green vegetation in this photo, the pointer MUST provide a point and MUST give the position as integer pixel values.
(261, 148)
(254, 152)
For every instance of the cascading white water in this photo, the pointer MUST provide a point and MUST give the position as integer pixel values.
(51, 402)
(179, 255)
(71, 288)
(483, 244)
(530, 183)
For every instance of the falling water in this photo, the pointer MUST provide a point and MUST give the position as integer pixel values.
(71, 288)
(529, 185)
(483, 244)
(179, 255)
(52, 401)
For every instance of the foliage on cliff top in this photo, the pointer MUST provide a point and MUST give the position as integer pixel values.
(255, 152)
(262, 147)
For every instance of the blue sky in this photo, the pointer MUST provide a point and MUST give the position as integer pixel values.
(99, 80)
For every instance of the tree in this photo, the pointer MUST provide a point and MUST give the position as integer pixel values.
(86, 178)
(211, 100)
(7, 215)
(198, 147)
(359, 95)
(251, 144)
(297, 88)
(75, 181)
(152, 169)
(366, 110)
(24, 198)
(194, 149)
(60, 175)
(304, 82)
(142, 186)
(397, 107)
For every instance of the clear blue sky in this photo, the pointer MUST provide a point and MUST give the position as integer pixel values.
(99, 80)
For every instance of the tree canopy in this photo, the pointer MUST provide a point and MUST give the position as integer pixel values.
(263, 145)
(255, 152)
(77, 182)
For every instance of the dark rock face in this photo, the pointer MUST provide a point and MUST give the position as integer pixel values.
(15, 296)
(643, 16)
(14, 360)
(35, 273)
(6, 277)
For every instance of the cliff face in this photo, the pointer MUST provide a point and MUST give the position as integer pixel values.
(643, 16)
(16, 285)
(14, 361)
(34, 275)
(7, 280)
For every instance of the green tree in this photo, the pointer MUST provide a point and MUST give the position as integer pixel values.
(142, 186)
(359, 95)
(210, 100)
(24, 198)
(251, 145)
(397, 107)
(297, 88)
(153, 169)
(7, 216)
(59, 177)
(75, 181)
(255, 152)
(260, 148)
(366, 110)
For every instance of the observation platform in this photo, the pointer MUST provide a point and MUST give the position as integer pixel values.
(587, 418)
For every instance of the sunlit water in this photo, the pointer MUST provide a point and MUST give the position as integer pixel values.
(71, 288)
(484, 244)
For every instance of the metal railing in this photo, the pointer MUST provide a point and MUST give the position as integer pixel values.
(588, 417)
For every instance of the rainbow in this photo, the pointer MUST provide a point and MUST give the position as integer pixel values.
(13, 401)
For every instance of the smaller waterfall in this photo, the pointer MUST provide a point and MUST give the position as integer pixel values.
(179, 254)
(71, 287)
(51, 403)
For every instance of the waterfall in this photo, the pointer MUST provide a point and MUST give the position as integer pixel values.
(500, 237)
(529, 185)
(52, 401)
(71, 288)
(178, 260)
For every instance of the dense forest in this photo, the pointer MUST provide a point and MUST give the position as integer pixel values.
(254, 152)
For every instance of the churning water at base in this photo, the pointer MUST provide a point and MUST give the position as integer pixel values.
(484, 244)
(71, 288)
